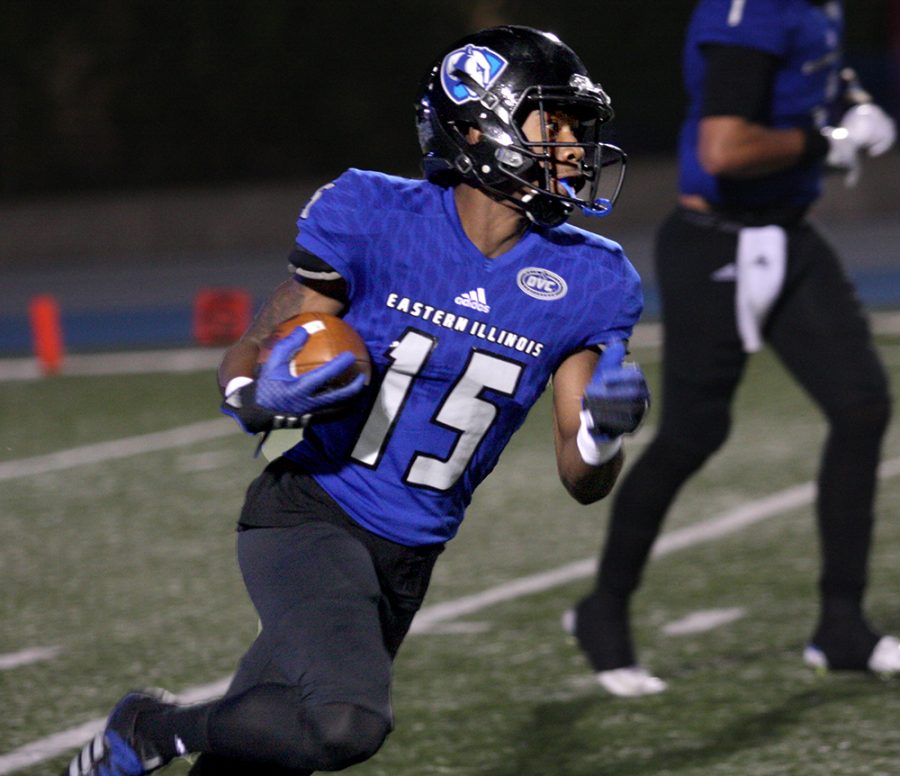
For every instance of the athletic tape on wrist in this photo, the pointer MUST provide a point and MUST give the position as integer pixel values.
(592, 452)
(236, 383)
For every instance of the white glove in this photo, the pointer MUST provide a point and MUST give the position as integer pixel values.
(870, 128)
(863, 128)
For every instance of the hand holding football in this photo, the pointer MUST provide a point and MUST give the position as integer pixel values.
(329, 336)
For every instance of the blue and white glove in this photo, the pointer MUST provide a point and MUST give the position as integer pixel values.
(614, 403)
(278, 399)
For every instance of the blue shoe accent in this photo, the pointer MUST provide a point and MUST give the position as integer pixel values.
(123, 760)
(119, 750)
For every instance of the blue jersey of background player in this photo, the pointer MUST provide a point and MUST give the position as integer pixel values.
(805, 39)
(738, 264)
(462, 344)
(470, 293)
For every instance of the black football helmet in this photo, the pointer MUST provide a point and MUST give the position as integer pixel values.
(492, 80)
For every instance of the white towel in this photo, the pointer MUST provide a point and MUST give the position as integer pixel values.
(761, 259)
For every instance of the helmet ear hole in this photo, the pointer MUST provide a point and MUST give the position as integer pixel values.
(466, 130)
(546, 211)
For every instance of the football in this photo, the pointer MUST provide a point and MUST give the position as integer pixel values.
(329, 336)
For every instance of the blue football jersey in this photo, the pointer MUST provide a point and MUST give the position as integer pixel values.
(461, 345)
(806, 38)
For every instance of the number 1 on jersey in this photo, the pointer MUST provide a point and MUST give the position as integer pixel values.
(463, 410)
(408, 356)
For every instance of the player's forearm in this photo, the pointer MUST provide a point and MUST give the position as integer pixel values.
(239, 361)
(241, 358)
(731, 146)
(584, 482)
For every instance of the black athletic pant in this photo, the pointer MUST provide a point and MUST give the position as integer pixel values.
(818, 331)
(335, 602)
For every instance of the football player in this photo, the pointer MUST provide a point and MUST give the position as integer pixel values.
(738, 264)
(471, 293)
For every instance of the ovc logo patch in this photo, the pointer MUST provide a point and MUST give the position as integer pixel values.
(541, 284)
(480, 63)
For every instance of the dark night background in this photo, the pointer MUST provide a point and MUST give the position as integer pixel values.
(116, 94)
(151, 149)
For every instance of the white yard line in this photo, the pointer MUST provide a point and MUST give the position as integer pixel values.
(709, 530)
(203, 431)
(25, 657)
(703, 620)
(430, 616)
(98, 364)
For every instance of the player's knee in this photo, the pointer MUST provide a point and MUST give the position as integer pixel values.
(690, 444)
(862, 420)
(695, 427)
(346, 734)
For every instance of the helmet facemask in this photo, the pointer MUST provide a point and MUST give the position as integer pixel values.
(557, 183)
(511, 167)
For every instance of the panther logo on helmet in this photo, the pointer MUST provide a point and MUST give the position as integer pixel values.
(480, 63)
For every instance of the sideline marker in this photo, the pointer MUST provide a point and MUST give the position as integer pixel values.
(221, 315)
(46, 333)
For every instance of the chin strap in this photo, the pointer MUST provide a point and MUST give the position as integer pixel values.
(544, 211)
(540, 209)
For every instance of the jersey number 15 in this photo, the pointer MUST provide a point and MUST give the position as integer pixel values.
(463, 410)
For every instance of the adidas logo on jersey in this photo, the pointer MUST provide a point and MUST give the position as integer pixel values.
(474, 299)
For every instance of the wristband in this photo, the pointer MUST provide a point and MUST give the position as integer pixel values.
(236, 383)
(815, 147)
(592, 452)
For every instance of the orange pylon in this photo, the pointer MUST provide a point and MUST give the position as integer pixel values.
(46, 333)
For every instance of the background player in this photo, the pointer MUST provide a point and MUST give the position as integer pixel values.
(737, 261)
(471, 293)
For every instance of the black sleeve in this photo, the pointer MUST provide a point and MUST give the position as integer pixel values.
(308, 266)
(317, 274)
(738, 82)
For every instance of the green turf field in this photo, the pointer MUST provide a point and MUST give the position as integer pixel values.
(127, 567)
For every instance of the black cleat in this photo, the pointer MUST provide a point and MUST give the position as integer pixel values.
(119, 750)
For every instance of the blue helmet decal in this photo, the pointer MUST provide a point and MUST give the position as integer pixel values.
(480, 63)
